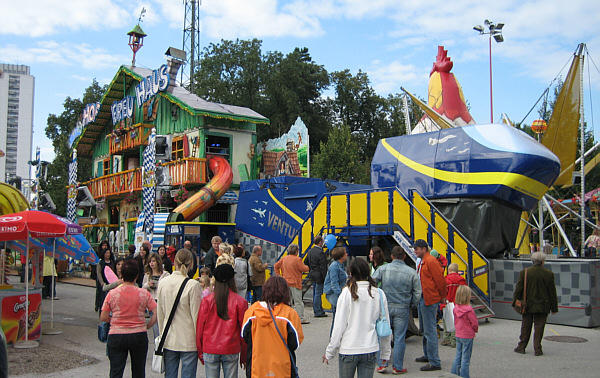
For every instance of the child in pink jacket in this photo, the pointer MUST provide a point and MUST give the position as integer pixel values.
(466, 325)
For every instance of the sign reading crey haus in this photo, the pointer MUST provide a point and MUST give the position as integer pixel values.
(147, 88)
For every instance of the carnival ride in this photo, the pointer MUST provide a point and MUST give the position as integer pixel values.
(463, 189)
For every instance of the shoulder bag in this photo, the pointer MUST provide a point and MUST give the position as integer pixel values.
(285, 343)
(158, 361)
(103, 329)
(382, 326)
(521, 305)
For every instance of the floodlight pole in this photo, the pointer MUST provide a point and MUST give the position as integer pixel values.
(491, 92)
(493, 30)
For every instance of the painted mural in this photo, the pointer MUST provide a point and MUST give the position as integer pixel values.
(286, 155)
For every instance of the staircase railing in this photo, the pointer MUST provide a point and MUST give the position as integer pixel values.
(386, 211)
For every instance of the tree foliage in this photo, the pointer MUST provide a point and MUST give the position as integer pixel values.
(58, 129)
(279, 87)
(339, 158)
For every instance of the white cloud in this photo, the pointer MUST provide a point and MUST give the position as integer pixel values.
(230, 19)
(390, 77)
(35, 18)
(62, 53)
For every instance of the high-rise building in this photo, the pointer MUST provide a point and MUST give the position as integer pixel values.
(16, 120)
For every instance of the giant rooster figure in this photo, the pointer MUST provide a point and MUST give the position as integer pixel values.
(445, 96)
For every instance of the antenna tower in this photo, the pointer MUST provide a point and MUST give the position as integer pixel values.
(191, 41)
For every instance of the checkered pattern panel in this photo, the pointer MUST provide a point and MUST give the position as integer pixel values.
(271, 251)
(148, 183)
(575, 280)
(71, 202)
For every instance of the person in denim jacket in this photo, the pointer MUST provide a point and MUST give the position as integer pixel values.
(402, 288)
(336, 279)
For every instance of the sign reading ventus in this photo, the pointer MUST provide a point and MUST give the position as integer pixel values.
(149, 87)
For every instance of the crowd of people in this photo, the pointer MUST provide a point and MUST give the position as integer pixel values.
(209, 318)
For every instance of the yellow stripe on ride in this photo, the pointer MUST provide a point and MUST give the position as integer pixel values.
(285, 209)
(515, 181)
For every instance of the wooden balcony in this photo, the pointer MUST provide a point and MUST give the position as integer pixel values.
(188, 171)
(128, 139)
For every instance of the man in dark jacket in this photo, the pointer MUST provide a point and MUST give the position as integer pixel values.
(317, 263)
(210, 259)
(540, 299)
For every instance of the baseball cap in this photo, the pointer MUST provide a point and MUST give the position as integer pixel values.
(420, 243)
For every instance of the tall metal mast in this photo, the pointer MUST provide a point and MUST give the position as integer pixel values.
(191, 41)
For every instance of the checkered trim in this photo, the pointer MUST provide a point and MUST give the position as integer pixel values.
(149, 183)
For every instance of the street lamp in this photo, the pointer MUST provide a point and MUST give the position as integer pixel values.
(493, 30)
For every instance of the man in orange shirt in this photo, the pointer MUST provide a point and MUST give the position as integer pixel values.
(433, 285)
(291, 268)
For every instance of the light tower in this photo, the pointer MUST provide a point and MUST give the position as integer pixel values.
(493, 30)
(191, 41)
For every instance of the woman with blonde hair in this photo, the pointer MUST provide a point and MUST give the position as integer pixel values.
(180, 341)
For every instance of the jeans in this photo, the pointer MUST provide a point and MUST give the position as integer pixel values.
(155, 329)
(464, 347)
(399, 321)
(362, 364)
(428, 322)
(317, 304)
(213, 363)
(189, 363)
(47, 280)
(256, 293)
(117, 347)
(332, 298)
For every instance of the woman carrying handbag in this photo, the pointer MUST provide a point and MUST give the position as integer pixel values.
(128, 331)
(354, 333)
(272, 344)
(180, 341)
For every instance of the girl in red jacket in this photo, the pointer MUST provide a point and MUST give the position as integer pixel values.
(466, 324)
(219, 327)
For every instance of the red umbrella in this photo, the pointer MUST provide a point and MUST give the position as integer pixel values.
(22, 225)
(39, 224)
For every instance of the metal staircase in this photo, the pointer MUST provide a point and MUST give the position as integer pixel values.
(387, 212)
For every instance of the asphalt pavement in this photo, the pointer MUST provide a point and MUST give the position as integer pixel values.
(493, 354)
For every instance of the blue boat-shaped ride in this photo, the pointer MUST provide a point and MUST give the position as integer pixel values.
(477, 161)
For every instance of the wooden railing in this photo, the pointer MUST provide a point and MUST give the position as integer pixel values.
(116, 183)
(132, 138)
(188, 171)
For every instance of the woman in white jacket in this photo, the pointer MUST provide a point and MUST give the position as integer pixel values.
(354, 334)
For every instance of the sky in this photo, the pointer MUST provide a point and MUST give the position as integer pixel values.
(67, 44)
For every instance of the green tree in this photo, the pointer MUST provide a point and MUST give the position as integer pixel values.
(339, 158)
(230, 73)
(369, 116)
(293, 87)
(279, 87)
(58, 129)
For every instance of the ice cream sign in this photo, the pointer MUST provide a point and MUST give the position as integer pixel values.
(149, 87)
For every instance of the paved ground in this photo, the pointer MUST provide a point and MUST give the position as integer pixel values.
(493, 354)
